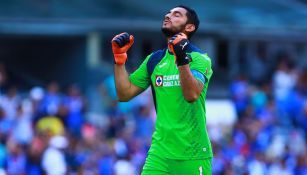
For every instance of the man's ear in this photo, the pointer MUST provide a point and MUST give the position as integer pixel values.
(189, 28)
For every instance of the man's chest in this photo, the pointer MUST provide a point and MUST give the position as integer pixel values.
(166, 74)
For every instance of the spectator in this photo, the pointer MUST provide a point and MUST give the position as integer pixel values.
(9, 102)
(53, 161)
(144, 123)
(52, 100)
(280, 168)
(6, 125)
(75, 104)
(124, 167)
(257, 165)
(34, 153)
(240, 93)
(50, 125)
(258, 66)
(109, 85)
(3, 77)
(16, 159)
(22, 127)
(284, 80)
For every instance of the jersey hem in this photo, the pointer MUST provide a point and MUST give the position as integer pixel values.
(184, 158)
(189, 158)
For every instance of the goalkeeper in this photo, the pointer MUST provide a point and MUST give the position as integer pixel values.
(179, 76)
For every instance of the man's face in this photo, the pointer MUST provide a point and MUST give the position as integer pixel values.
(174, 21)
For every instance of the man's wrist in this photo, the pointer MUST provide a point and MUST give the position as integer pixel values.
(184, 67)
(183, 59)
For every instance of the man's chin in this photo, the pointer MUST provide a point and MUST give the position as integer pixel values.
(167, 32)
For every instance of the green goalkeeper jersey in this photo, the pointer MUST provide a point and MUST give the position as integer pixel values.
(180, 131)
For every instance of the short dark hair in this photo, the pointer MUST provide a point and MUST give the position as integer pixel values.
(192, 18)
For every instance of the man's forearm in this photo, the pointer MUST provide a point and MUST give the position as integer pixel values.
(122, 82)
(191, 88)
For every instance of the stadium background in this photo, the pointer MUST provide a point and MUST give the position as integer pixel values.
(58, 109)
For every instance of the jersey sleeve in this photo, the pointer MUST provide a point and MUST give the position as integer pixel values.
(140, 76)
(201, 67)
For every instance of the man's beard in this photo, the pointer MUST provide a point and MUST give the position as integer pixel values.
(169, 32)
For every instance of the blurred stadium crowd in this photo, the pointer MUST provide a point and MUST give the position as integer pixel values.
(55, 131)
(46, 130)
(269, 136)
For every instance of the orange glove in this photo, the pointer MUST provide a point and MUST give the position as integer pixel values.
(120, 45)
(178, 45)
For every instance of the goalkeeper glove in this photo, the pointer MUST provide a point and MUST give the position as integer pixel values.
(120, 45)
(178, 45)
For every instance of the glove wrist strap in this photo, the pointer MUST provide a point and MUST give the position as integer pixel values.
(120, 58)
(183, 60)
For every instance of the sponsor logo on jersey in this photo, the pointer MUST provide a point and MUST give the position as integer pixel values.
(162, 65)
(167, 80)
(159, 80)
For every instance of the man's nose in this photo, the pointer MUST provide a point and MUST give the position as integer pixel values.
(167, 16)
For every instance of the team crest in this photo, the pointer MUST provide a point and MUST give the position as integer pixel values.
(159, 80)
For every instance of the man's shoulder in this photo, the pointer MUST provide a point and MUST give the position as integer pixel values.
(198, 56)
(156, 56)
(158, 53)
(194, 49)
